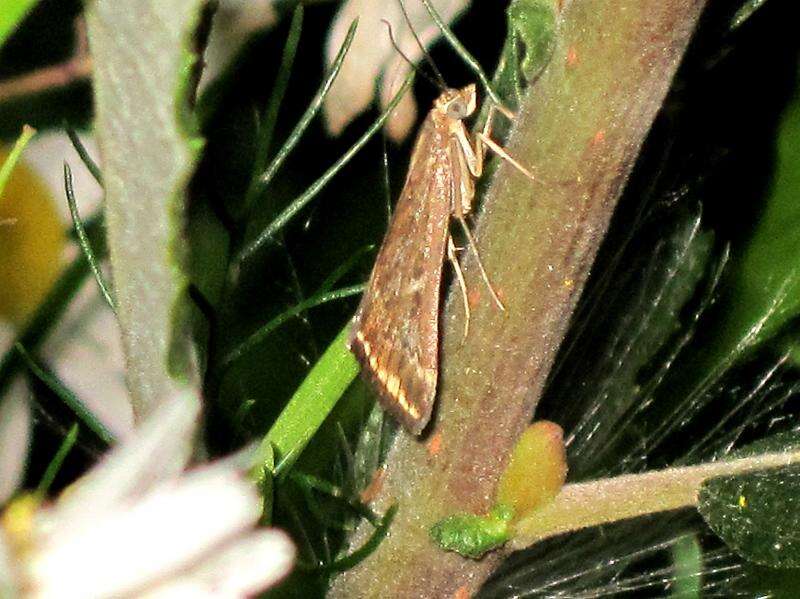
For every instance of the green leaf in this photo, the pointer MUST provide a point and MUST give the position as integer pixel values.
(532, 25)
(13, 157)
(745, 12)
(71, 400)
(758, 514)
(54, 467)
(765, 278)
(149, 145)
(311, 403)
(687, 556)
(11, 15)
(471, 535)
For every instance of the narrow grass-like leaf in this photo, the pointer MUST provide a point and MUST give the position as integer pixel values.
(16, 152)
(55, 464)
(336, 493)
(363, 552)
(83, 240)
(312, 402)
(344, 268)
(84, 155)
(300, 202)
(368, 453)
(270, 118)
(311, 111)
(264, 332)
(745, 12)
(67, 396)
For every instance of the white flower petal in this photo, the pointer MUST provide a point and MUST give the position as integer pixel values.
(15, 432)
(246, 567)
(133, 546)
(180, 589)
(160, 450)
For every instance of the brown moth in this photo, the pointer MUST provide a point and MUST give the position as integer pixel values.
(395, 333)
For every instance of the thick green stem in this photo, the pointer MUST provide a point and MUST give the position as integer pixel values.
(580, 130)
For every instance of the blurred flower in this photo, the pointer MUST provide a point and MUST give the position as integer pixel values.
(234, 22)
(137, 525)
(84, 348)
(372, 56)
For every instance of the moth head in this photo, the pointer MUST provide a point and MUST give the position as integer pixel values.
(458, 103)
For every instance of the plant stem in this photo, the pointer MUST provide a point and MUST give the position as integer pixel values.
(598, 502)
(580, 131)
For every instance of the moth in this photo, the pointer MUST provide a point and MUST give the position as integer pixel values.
(395, 332)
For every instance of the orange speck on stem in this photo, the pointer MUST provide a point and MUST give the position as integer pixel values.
(461, 593)
(599, 137)
(434, 445)
(572, 56)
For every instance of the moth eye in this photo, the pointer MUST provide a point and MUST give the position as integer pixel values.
(457, 110)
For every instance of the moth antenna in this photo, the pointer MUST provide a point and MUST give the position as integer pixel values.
(407, 59)
(442, 83)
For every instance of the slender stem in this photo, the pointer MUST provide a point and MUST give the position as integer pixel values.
(84, 155)
(68, 397)
(55, 464)
(267, 125)
(264, 331)
(598, 502)
(311, 111)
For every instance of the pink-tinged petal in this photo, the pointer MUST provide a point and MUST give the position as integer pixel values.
(85, 351)
(354, 87)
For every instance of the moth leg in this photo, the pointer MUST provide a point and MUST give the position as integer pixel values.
(494, 147)
(474, 247)
(473, 154)
(451, 255)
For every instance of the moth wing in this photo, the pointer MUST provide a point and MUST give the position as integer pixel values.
(396, 329)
